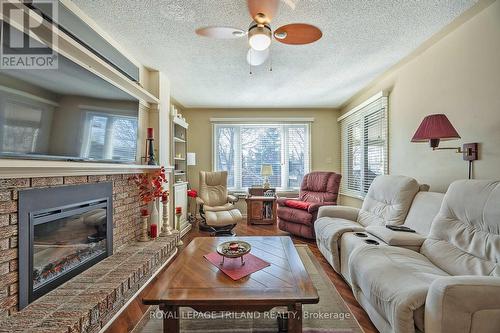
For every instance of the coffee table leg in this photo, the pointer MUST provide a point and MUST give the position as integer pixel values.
(170, 319)
(295, 318)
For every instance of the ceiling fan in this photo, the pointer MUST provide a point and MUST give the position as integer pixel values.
(260, 33)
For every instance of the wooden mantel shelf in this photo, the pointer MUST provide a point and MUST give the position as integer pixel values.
(14, 168)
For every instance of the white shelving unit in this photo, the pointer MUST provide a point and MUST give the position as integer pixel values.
(179, 184)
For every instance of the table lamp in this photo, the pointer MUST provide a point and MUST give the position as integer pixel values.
(266, 171)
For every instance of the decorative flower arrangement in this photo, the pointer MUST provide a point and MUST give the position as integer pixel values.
(151, 184)
(192, 193)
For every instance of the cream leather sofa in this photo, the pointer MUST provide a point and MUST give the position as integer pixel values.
(388, 201)
(452, 284)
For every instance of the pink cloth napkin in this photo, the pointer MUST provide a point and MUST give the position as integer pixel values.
(232, 266)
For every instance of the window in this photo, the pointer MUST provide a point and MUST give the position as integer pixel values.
(23, 123)
(110, 137)
(241, 150)
(364, 145)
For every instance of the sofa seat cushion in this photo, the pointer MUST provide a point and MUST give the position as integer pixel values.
(295, 215)
(395, 281)
(348, 243)
(227, 206)
(298, 204)
(328, 233)
(223, 217)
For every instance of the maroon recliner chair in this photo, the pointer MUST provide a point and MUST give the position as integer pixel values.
(297, 215)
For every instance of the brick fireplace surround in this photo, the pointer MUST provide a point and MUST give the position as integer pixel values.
(145, 258)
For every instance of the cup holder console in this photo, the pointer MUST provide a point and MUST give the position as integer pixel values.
(371, 242)
(361, 234)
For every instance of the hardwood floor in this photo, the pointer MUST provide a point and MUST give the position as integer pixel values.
(272, 230)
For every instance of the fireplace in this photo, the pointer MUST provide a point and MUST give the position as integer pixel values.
(62, 232)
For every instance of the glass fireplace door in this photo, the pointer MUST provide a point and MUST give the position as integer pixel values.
(65, 241)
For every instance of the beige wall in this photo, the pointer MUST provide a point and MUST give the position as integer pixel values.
(459, 76)
(325, 146)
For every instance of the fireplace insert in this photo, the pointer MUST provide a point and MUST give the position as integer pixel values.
(62, 232)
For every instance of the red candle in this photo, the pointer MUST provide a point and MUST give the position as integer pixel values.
(178, 210)
(154, 231)
(150, 133)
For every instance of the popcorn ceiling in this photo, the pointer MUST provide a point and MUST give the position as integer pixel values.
(361, 39)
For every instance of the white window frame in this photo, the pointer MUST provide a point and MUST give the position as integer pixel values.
(285, 123)
(88, 114)
(377, 103)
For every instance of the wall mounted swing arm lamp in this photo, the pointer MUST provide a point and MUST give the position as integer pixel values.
(436, 128)
(468, 150)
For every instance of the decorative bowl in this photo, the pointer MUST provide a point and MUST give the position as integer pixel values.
(234, 249)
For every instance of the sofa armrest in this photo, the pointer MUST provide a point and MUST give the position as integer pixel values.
(315, 206)
(199, 201)
(232, 198)
(462, 304)
(281, 200)
(342, 212)
(396, 238)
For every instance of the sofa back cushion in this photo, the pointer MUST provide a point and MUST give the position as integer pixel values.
(213, 188)
(423, 210)
(320, 186)
(465, 235)
(388, 200)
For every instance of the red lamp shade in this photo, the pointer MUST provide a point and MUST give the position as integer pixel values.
(434, 128)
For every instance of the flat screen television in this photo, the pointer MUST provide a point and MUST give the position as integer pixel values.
(67, 113)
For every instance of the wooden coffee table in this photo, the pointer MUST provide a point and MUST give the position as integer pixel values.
(192, 281)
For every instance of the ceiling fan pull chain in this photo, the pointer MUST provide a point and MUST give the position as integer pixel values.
(250, 63)
(270, 59)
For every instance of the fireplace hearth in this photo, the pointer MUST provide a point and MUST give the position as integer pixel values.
(62, 232)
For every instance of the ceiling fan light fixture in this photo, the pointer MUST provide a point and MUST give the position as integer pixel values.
(259, 37)
(257, 58)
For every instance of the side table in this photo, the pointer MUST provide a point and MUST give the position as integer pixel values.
(261, 209)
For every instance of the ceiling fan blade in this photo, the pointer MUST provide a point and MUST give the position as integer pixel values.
(297, 34)
(221, 32)
(257, 58)
(263, 11)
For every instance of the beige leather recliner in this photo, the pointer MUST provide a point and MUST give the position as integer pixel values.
(219, 215)
(452, 284)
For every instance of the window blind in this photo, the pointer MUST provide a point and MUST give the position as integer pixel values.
(242, 149)
(110, 137)
(364, 139)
